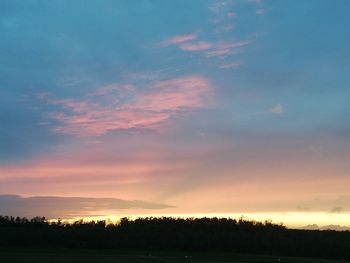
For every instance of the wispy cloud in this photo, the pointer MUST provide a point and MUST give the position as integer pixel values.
(67, 207)
(218, 6)
(177, 40)
(230, 65)
(219, 53)
(260, 11)
(327, 227)
(218, 49)
(222, 15)
(255, 1)
(196, 46)
(231, 45)
(122, 107)
(224, 49)
(121, 89)
(337, 210)
(278, 109)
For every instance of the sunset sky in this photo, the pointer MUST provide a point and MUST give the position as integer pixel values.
(163, 107)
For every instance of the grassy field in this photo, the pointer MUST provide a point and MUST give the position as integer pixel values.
(106, 256)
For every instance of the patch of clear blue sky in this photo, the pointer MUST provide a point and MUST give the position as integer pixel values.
(299, 59)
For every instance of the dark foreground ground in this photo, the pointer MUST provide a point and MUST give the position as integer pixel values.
(24, 255)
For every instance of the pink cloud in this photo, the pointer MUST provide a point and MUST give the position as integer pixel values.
(178, 40)
(219, 49)
(175, 94)
(138, 109)
(196, 46)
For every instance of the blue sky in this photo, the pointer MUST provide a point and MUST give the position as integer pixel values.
(192, 95)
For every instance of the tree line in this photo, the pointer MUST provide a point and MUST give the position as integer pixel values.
(167, 233)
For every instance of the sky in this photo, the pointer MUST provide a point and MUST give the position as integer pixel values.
(160, 107)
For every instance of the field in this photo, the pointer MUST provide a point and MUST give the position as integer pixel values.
(105, 256)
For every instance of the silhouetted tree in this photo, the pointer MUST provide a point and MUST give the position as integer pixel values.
(166, 233)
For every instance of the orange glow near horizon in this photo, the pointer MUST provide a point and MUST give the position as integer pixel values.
(289, 219)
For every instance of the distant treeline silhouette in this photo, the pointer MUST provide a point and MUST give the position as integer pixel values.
(194, 234)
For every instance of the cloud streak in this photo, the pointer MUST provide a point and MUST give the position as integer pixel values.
(196, 46)
(126, 107)
(227, 48)
(178, 40)
(67, 207)
(209, 49)
(230, 65)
